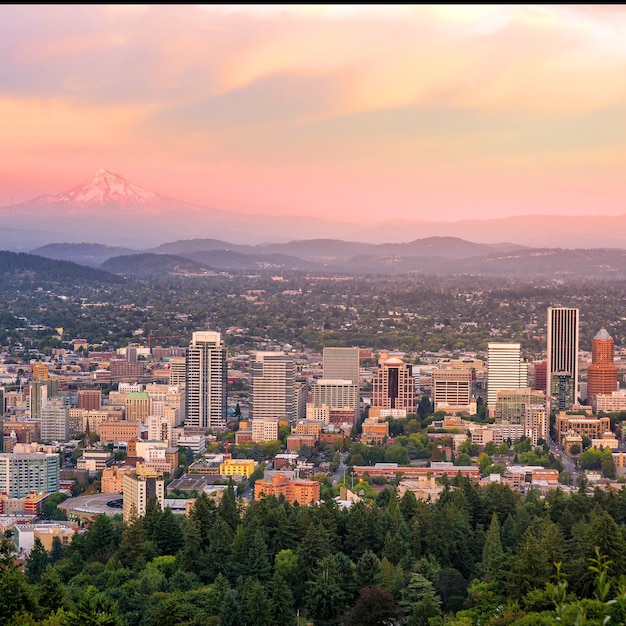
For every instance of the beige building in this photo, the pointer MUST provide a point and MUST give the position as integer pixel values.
(119, 432)
(451, 388)
(137, 406)
(112, 480)
(341, 363)
(265, 429)
(138, 487)
(511, 404)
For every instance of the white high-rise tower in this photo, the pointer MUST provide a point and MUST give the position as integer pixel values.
(505, 370)
(206, 377)
(273, 384)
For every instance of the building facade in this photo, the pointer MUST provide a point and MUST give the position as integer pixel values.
(206, 380)
(394, 385)
(22, 473)
(138, 487)
(505, 371)
(562, 361)
(341, 363)
(273, 387)
(602, 372)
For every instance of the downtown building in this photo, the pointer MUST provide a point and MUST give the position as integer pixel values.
(341, 364)
(273, 387)
(22, 473)
(393, 387)
(505, 371)
(562, 361)
(206, 379)
(602, 372)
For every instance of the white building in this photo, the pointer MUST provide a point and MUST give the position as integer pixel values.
(505, 371)
(206, 377)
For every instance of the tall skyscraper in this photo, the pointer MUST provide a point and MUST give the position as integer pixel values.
(562, 368)
(505, 371)
(206, 378)
(341, 364)
(273, 386)
(602, 373)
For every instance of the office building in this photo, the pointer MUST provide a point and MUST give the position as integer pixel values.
(341, 363)
(602, 373)
(206, 379)
(273, 387)
(55, 420)
(138, 487)
(511, 404)
(505, 371)
(452, 388)
(562, 366)
(394, 385)
(22, 473)
(89, 399)
(336, 394)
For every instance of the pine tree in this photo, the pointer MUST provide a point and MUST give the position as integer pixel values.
(168, 534)
(133, 547)
(493, 554)
(281, 601)
(52, 595)
(36, 562)
(227, 508)
(56, 553)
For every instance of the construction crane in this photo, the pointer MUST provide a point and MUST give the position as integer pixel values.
(151, 337)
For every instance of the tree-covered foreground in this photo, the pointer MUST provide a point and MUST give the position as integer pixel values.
(479, 555)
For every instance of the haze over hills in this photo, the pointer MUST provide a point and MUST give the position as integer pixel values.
(437, 256)
(115, 212)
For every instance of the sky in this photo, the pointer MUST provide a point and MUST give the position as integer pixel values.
(351, 113)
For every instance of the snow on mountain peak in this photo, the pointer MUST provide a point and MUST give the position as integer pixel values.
(106, 189)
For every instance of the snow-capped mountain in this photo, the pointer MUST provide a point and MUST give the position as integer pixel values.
(104, 190)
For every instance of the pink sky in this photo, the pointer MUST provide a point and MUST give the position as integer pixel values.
(350, 113)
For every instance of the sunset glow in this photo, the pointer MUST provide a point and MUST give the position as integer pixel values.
(339, 112)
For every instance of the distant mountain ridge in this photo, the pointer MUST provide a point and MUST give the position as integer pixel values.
(432, 255)
(127, 215)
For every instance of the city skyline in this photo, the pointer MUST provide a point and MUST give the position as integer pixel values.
(336, 112)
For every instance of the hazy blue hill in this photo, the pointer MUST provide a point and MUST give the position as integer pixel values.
(150, 264)
(92, 254)
(603, 263)
(21, 266)
(183, 247)
(231, 260)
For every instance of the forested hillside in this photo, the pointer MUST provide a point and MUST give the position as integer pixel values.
(476, 556)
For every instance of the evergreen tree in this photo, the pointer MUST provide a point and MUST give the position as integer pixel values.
(324, 596)
(367, 570)
(168, 534)
(56, 553)
(191, 554)
(492, 561)
(100, 539)
(281, 601)
(259, 563)
(36, 562)
(231, 611)
(220, 551)
(227, 509)
(15, 594)
(52, 595)
(151, 518)
(133, 547)
(255, 605)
